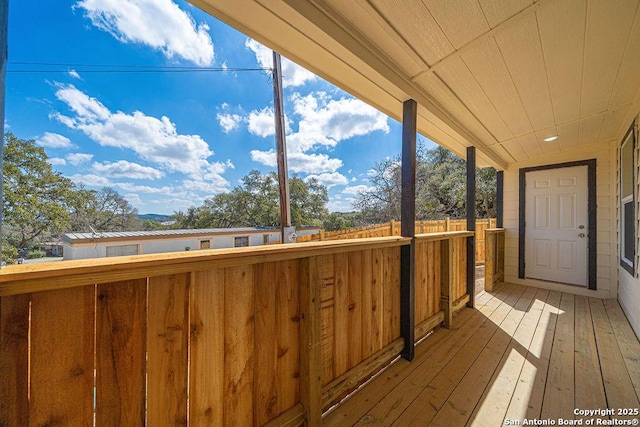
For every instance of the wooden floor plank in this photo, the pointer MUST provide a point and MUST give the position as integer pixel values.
(464, 350)
(559, 391)
(362, 402)
(627, 341)
(588, 380)
(527, 399)
(468, 392)
(522, 353)
(617, 383)
(495, 401)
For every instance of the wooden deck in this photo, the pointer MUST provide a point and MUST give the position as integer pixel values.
(525, 353)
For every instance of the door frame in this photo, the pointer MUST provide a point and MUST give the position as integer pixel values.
(591, 216)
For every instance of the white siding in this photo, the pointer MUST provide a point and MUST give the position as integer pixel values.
(606, 234)
(629, 286)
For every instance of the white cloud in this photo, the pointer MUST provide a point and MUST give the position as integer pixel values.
(324, 122)
(127, 186)
(357, 189)
(292, 74)
(154, 140)
(159, 24)
(54, 140)
(339, 204)
(329, 179)
(91, 180)
(262, 123)
(74, 74)
(229, 122)
(134, 199)
(125, 169)
(78, 158)
(57, 161)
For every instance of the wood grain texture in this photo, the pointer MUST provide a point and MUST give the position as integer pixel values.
(62, 357)
(167, 339)
(121, 353)
(206, 350)
(239, 341)
(14, 363)
(310, 341)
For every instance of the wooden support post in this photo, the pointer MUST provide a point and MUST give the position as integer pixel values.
(321, 234)
(310, 350)
(446, 279)
(499, 199)
(392, 227)
(489, 260)
(408, 228)
(447, 223)
(471, 224)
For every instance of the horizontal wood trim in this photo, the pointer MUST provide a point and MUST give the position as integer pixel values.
(427, 237)
(428, 325)
(27, 278)
(460, 303)
(293, 417)
(341, 386)
(494, 230)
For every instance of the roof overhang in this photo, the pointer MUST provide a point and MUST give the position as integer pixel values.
(497, 75)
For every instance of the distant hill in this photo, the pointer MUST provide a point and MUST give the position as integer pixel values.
(155, 217)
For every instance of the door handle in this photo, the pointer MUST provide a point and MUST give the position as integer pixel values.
(582, 235)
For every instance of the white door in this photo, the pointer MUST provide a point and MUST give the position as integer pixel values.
(556, 225)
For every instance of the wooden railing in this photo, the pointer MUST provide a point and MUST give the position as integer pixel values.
(392, 228)
(494, 267)
(269, 335)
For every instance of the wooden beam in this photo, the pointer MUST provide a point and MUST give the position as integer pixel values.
(408, 225)
(446, 277)
(499, 199)
(471, 224)
(310, 342)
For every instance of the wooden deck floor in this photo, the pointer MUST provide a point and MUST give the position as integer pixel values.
(524, 353)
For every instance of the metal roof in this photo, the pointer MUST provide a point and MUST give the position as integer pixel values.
(130, 235)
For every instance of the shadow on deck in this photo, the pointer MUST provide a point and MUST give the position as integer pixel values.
(524, 353)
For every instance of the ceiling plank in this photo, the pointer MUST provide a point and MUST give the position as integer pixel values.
(413, 22)
(628, 79)
(489, 69)
(522, 52)
(563, 47)
(498, 11)
(608, 27)
(461, 20)
(463, 84)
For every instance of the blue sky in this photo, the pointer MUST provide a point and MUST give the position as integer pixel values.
(169, 140)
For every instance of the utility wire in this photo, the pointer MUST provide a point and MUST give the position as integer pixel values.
(116, 68)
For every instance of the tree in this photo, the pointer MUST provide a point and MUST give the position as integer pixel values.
(339, 221)
(103, 210)
(440, 188)
(256, 203)
(35, 197)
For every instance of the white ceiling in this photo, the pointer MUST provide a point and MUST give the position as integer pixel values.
(500, 75)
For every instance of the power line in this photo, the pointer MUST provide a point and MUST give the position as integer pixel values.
(121, 68)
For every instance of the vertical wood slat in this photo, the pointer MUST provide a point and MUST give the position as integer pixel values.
(446, 277)
(239, 320)
(121, 353)
(327, 314)
(288, 320)
(341, 311)
(310, 341)
(377, 299)
(354, 322)
(490, 260)
(265, 343)
(167, 338)
(206, 382)
(62, 336)
(367, 306)
(14, 365)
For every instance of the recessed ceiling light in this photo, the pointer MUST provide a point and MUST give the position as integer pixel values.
(550, 138)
